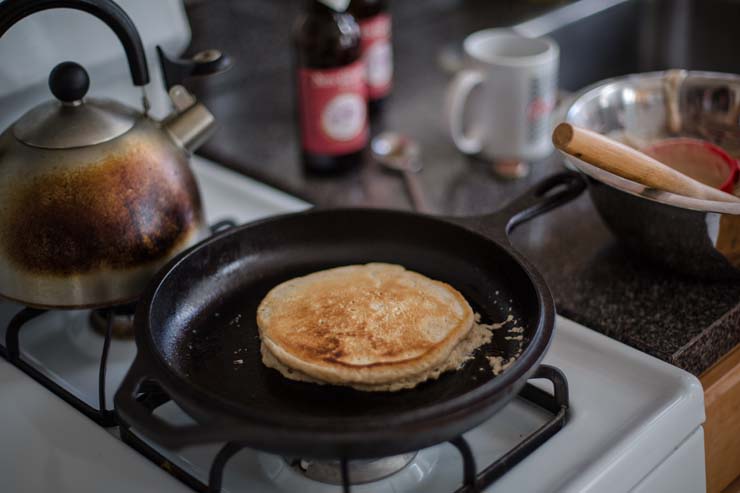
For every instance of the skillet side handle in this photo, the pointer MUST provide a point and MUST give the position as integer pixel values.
(134, 413)
(548, 194)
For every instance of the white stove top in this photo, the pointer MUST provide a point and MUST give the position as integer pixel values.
(635, 421)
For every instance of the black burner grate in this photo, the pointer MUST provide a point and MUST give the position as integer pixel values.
(12, 352)
(474, 481)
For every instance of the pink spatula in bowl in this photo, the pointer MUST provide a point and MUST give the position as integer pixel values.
(698, 159)
(629, 163)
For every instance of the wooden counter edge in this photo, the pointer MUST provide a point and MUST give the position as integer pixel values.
(721, 385)
(734, 487)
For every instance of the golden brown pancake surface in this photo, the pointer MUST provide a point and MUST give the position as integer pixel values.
(364, 324)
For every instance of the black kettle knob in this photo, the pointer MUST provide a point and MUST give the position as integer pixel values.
(69, 82)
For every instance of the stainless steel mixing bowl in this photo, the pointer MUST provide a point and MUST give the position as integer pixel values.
(695, 236)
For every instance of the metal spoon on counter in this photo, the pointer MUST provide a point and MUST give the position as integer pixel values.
(399, 153)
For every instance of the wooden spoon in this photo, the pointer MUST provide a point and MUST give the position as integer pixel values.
(619, 159)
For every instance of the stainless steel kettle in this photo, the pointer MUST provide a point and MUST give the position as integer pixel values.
(96, 196)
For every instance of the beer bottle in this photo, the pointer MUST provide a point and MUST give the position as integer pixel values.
(377, 52)
(332, 93)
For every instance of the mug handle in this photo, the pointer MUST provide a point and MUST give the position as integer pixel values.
(457, 96)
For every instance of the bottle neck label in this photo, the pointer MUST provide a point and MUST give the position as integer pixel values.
(338, 5)
(377, 53)
(333, 109)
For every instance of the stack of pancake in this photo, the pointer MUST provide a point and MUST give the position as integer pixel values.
(374, 327)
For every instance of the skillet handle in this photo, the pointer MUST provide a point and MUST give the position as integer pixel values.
(546, 195)
(137, 414)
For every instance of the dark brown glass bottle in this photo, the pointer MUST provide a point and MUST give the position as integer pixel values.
(377, 51)
(332, 95)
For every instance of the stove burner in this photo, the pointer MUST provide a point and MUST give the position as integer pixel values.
(360, 471)
(122, 323)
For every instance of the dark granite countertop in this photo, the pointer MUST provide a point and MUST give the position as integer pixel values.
(686, 322)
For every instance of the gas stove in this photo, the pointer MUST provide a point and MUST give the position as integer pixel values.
(633, 422)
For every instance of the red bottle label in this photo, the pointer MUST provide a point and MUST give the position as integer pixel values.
(333, 107)
(378, 54)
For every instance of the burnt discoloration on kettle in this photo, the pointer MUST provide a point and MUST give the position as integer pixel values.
(127, 210)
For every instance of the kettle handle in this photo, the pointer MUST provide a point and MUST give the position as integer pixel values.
(12, 11)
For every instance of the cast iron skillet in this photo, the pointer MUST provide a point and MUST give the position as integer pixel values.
(197, 337)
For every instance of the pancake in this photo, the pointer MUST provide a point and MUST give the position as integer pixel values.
(373, 327)
(463, 352)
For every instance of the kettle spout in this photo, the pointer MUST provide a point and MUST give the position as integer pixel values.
(192, 124)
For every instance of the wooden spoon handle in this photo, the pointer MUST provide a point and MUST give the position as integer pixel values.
(615, 157)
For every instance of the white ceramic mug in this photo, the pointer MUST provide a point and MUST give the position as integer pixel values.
(518, 81)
